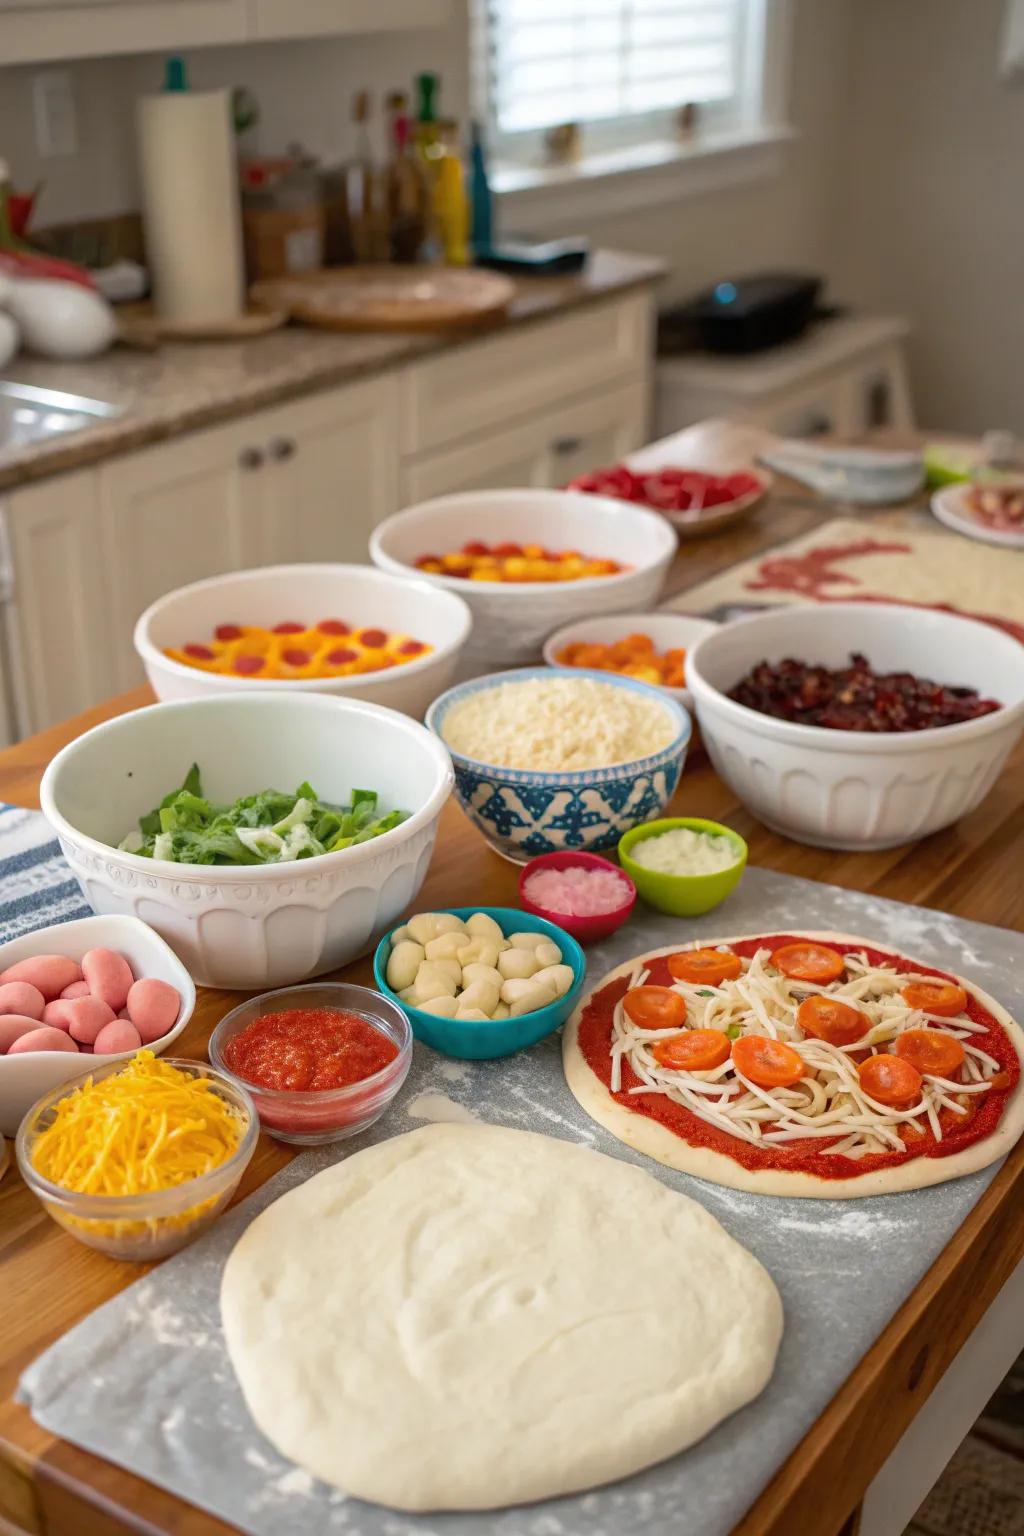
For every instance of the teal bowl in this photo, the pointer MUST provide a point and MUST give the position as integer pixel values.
(484, 1039)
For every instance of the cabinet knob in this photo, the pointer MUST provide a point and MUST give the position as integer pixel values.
(250, 458)
(564, 445)
(281, 448)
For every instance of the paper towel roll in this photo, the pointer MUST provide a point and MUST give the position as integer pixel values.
(190, 205)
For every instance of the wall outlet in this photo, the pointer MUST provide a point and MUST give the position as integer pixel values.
(56, 121)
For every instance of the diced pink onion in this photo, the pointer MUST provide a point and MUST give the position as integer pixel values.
(579, 891)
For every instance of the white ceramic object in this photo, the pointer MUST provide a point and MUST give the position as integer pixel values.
(61, 319)
(25, 1078)
(851, 789)
(869, 477)
(512, 619)
(950, 507)
(669, 631)
(687, 450)
(254, 926)
(307, 593)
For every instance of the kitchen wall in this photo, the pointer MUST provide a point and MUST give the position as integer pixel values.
(928, 207)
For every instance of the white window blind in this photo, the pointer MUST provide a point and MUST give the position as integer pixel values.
(603, 62)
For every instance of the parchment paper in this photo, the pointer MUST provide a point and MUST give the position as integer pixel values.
(145, 1380)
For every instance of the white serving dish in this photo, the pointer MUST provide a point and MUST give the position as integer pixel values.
(512, 619)
(255, 926)
(869, 477)
(307, 593)
(25, 1078)
(682, 451)
(851, 789)
(669, 631)
(950, 507)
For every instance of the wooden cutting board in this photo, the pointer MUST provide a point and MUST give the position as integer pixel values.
(389, 298)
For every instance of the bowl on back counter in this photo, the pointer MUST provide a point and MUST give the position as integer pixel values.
(512, 617)
(616, 642)
(558, 758)
(27, 1074)
(337, 629)
(281, 910)
(878, 773)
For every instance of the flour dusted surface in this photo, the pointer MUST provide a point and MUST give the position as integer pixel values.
(557, 724)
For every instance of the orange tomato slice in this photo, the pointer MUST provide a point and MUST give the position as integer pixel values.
(698, 1050)
(890, 1080)
(768, 1063)
(943, 998)
(655, 1007)
(930, 1050)
(830, 1019)
(805, 961)
(705, 967)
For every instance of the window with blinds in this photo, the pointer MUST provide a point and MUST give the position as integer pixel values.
(607, 63)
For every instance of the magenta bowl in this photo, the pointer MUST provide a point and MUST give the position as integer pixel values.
(587, 930)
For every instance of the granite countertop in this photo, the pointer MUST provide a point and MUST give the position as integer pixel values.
(184, 386)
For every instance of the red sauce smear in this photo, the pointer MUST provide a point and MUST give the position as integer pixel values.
(595, 1036)
(305, 1050)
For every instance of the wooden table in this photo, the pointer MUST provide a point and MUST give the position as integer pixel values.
(975, 870)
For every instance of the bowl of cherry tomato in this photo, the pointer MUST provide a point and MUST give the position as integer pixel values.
(694, 501)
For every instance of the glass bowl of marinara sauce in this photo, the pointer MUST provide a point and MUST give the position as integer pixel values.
(320, 1062)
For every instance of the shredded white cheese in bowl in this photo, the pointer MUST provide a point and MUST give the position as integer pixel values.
(685, 852)
(556, 724)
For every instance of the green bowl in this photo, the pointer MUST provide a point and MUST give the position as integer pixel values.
(682, 895)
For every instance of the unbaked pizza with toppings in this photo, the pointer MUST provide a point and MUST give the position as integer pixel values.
(799, 1064)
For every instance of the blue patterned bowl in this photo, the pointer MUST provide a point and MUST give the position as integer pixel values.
(522, 813)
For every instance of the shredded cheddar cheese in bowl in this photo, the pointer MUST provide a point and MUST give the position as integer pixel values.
(138, 1158)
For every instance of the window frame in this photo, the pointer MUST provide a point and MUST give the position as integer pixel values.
(745, 111)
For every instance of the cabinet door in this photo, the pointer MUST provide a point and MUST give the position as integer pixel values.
(330, 472)
(171, 515)
(546, 450)
(40, 30)
(331, 18)
(54, 632)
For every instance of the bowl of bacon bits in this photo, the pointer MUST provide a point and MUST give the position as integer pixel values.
(856, 725)
(338, 629)
(320, 1062)
(695, 501)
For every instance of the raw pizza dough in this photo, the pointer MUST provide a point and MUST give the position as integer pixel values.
(466, 1317)
(657, 1141)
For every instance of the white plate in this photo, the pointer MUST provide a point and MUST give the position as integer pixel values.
(675, 453)
(667, 630)
(950, 507)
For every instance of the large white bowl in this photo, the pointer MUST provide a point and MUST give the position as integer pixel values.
(669, 631)
(307, 593)
(253, 926)
(26, 1077)
(512, 619)
(851, 789)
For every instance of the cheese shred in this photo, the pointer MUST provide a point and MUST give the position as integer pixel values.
(148, 1128)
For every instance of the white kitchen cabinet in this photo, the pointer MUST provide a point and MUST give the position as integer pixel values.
(329, 472)
(54, 650)
(34, 31)
(548, 449)
(171, 515)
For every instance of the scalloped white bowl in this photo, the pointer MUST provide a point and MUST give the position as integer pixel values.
(26, 1077)
(854, 789)
(511, 620)
(265, 925)
(356, 593)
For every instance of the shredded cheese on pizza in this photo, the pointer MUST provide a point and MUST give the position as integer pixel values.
(149, 1127)
(827, 1104)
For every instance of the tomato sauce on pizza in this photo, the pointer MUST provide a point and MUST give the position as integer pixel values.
(819, 1058)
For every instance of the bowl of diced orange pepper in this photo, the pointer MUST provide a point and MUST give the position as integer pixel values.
(651, 647)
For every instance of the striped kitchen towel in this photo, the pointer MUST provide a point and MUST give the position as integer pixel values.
(36, 885)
